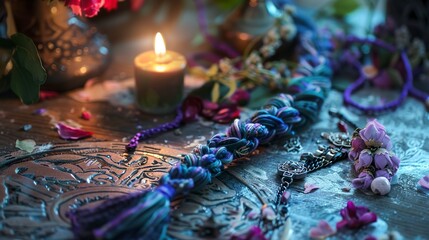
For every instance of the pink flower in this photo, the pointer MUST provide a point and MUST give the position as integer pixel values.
(363, 181)
(355, 217)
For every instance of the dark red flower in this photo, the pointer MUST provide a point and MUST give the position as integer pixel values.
(191, 108)
(355, 216)
(226, 113)
(221, 113)
(110, 4)
(240, 97)
(209, 109)
(136, 4)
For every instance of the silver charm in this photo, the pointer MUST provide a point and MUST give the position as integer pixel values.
(292, 170)
(293, 145)
(338, 139)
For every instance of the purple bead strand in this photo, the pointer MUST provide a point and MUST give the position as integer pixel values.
(147, 133)
(362, 79)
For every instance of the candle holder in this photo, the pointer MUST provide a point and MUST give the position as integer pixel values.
(159, 77)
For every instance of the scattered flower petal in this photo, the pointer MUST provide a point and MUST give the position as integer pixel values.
(68, 132)
(45, 95)
(253, 215)
(322, 231)
(27, 145)
(27, 127)
(254, 233)
(355, 217)
(310, 187)
(424, 182)
(86, 115)
(40, 111)
(268, 213)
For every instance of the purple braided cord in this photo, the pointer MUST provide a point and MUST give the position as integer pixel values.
(147, 133)
(362, 79)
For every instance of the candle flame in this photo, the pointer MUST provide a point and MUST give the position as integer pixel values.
(159, 45)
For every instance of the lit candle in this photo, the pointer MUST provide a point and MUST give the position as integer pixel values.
(159, 79)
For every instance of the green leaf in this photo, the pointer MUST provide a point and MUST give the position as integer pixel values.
(227, 4)
(215, 92)
(231, 85)
(6, 43)
(343, 7)
(27, 73)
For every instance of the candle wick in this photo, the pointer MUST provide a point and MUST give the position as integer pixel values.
(162, 58)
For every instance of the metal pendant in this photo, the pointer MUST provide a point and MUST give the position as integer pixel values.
(290, 170)
(338, 139)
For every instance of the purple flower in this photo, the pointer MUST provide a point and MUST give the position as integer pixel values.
(357, 146)
(363, 181)
(382, 159)
(395, 163)
(384, 173)
(355, 217)
(364, 160)
(254, 233)
(374, 135)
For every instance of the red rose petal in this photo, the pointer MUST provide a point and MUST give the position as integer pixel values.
(70, 133)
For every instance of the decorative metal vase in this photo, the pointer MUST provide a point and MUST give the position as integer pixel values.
(252, 19)
(72, 51)
(413, 14)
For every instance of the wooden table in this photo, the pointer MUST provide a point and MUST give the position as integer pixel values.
(404, 210)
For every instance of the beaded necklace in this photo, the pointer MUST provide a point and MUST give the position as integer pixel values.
(145, 214)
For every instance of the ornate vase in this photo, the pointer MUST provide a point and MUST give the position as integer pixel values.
(72, 51)
(252, 19)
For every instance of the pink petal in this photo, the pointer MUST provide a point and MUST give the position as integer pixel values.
(268, 214)
(67, 132)
(368, 217)
(322, 231)
(341, 224)
(424, 182)
(309, 187)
